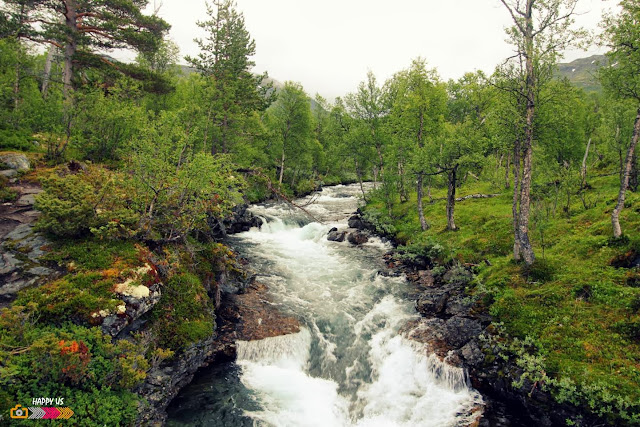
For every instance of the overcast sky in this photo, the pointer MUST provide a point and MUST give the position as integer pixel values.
(328, 45)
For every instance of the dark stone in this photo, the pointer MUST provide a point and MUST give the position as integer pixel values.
(357, 238)
(336, 236)
(430, 305)
(356, 222)
(472, 354)
(460, 330)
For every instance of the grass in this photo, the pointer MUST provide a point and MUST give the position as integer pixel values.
(583, 312)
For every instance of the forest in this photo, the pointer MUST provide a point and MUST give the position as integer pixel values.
(522, 174)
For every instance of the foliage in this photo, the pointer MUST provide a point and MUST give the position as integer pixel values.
(184, 315)
(176, 187)
(94, 200)
(77, 363)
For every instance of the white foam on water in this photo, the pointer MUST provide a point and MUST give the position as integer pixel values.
(381, 378)
(274, 369)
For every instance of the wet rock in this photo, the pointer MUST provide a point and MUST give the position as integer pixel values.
(430, 305)
(16, 161)
(336, 236)
(239, 221)
(460, 330)
(357, 238)
(356, 222)
(425, 278)
(472, 354)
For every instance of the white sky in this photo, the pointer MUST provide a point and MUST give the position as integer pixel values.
(329, 45)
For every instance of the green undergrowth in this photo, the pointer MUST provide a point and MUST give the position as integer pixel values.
(581, 311)
(51, 342)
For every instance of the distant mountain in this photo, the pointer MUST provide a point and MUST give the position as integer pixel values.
(583, 72)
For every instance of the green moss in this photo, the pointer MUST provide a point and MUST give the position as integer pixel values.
(73, 298)
(92, 254)
(184, 314)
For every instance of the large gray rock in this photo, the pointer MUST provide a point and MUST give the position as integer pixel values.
(16, 161)
(460, 330)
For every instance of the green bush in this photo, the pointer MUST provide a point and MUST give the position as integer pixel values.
(91, 201)
(6, 193)
(76, 363)
(72, 298)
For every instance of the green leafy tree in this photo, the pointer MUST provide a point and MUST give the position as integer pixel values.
(291, 124)
(541, 29)
(79, 28)
(418, 112)
(622, 77)
(368, 106)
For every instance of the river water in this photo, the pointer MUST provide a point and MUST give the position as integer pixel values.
(348, 366)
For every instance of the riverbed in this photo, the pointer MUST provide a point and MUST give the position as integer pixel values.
(348, 365)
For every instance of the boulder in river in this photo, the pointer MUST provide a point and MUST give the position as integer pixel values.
(356, 222)
(336, 236)
(357, 238)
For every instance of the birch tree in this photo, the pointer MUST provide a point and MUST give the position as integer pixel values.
(622, 78)
(541, 30)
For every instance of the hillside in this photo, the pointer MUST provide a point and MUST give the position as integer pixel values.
(582, 72)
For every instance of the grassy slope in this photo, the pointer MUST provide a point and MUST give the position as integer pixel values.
(583, 317)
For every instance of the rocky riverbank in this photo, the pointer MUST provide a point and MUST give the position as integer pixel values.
(243, 312)
(456, 326)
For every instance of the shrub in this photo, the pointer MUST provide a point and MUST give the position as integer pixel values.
(6, 194)
(79, 364)
(91, 201)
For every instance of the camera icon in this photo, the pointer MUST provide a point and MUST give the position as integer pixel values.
(18, 412)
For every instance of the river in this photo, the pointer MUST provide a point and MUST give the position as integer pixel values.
(348, 366)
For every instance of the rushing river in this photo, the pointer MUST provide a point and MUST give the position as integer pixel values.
(348, 366)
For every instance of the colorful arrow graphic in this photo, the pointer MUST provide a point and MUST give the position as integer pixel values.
(50, 413)
(36, 413)
(65, 413)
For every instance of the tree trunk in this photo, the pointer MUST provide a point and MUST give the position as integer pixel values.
(281, 167)
(451, 199)
(526, 249)
(507, 184)
(615, 215)
(583, 171)
(70, 16)
(46, 78)
(633, 179)
(516, 197)
(423, 221)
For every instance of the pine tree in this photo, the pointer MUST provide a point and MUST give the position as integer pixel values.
(82, 28)
(224, 60)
